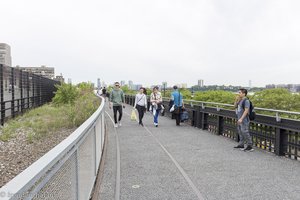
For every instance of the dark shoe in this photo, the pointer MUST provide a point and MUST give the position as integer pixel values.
(141, 124)
(239, 147)
(249, 148)
(156, 125)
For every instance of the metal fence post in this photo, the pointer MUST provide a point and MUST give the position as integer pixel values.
(220, 125)
(12, 107)
(2, 108)
(21, 90)
(33, 90)
(40, 91)
(204, 121)
(281, 142)
(28, 85)
(195, 120)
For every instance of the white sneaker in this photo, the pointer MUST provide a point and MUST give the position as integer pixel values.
(120, 124)
(116, 125)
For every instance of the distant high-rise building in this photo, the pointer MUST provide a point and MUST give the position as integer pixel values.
(270, 86)
(122, 83)
(5, 56)
(130, 84)
(164, 85)
(181, 85)
(44, 71)
(250, 84)
(69, 81)
(200, 83)
(60, 78)
(98, 83)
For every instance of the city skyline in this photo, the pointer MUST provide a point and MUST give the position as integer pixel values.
(221, 42)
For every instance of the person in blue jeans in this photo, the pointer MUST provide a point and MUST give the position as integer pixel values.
(177, 99)
(156, 102)
(242, 105)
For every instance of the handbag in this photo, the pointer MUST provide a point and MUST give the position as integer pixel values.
(184, 116)
(177, 110)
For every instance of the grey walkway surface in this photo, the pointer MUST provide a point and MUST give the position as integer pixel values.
(210, 163)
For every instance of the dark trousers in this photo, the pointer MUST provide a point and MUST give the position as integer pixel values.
(117, 108)
(177, 116)
(141, 111)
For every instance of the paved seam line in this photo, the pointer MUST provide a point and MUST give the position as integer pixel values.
(184, 174)
(117, 192)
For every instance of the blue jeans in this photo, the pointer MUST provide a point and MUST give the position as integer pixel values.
(156, 115)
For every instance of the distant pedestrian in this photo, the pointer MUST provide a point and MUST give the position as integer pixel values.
(117, 100)
(104, 92)
(141, 104)
(242, 105)
(177, 99)
(156, 103)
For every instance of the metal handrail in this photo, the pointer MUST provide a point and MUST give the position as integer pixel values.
(231, 105)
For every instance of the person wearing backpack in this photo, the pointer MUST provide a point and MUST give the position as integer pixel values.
(140, 104)
(242, 105)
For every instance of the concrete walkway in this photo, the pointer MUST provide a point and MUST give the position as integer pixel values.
(169, 162)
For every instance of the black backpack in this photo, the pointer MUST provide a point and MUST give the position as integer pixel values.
(251, 113)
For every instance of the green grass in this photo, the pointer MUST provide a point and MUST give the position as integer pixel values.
(39, 122)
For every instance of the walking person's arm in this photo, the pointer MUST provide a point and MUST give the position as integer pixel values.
(246, 105)
(123, 99)
(237, 100)
(151, 98)
(110, 99)
(160, 99)
(245, 113)
(145, 102)
(136, 99)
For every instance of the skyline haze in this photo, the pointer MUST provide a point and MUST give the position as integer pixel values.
(149, 42)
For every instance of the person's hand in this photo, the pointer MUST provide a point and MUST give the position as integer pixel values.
(240, 121)
(237, 98)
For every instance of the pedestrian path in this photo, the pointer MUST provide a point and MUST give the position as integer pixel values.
(171, 162)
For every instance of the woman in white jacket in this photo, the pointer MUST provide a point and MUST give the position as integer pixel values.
(141, 104)
(156, 102)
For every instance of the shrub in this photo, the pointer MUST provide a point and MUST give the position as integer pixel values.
(65, 94)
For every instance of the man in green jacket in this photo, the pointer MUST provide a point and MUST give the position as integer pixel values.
(117, 100)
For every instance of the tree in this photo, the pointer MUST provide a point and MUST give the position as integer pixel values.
(219, 96)
(278, 98)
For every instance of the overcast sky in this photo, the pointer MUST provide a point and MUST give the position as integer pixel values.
(148, 42)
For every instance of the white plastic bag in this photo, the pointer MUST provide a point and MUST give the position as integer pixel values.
(154, 112)
(172, 108)
(133, 115)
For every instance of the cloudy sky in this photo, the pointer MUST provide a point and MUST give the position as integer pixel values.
(148, 42)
